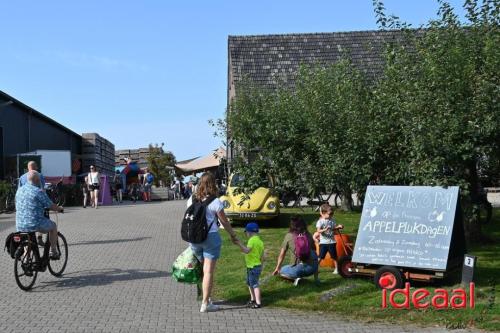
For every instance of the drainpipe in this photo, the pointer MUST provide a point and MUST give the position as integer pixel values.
(29, 130)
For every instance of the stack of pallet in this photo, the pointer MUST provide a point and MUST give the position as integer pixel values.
(99, 152)
(136, 155)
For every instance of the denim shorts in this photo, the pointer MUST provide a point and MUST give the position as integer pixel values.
(253, 275)
(300, 270)
(209, 248)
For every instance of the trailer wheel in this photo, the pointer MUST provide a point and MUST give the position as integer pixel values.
(388, 277)
(345, 267)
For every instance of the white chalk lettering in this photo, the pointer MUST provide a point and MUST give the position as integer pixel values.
(376, 197)
(411, 200)
(442, 199)
(389, 199)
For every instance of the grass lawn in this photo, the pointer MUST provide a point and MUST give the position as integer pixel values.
(363, 301)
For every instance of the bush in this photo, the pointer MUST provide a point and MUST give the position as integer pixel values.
(73, 194)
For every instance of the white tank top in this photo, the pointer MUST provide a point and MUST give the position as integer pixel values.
(93, 177)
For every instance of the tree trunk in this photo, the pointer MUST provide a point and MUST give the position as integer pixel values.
(471, 207)
(347, 203)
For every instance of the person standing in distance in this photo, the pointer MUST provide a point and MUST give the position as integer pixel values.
(147, 182)
(23, 180)
(94, 181)
(117, 180)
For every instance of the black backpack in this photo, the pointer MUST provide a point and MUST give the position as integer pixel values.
(194, 227)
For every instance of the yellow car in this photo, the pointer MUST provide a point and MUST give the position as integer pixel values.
(263, 204)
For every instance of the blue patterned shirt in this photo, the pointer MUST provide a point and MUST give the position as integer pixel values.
(23, 180)
(30, 204)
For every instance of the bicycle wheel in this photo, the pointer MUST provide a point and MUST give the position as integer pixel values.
(57, 267)
(24, 270)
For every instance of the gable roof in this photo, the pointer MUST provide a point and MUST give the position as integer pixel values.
(268, 59)
(40, 115)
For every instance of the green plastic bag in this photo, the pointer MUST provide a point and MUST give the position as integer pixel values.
(187, 268)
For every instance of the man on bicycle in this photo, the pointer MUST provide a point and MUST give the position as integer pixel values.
(30, 206)
(23, 180)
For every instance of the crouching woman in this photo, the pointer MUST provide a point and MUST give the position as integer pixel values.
(300, 265)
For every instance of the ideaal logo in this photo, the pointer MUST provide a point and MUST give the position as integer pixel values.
(421, 298)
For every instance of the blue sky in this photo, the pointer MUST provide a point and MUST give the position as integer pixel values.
(140, 72)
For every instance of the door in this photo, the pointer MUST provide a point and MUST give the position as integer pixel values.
(2, 161)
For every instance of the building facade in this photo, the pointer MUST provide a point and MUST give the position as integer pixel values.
(23, 130)
(99, 152)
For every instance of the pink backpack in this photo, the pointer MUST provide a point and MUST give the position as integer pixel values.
(302, 247)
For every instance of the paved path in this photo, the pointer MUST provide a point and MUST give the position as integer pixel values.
(117, 280)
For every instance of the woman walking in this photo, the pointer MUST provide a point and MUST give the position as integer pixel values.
(209, 250)
(94, 182)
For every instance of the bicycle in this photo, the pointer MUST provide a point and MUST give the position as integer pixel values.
(10, 198)
(28, 262)
(56, 193)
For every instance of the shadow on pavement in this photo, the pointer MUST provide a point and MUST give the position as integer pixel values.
(127, 203)
(229, 306)
(99, 277)
(109, 241)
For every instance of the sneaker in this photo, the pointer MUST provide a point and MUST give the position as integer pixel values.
(296, 282)
(208, 307)
(250, 303)
(54, 255)
(336, 271)
(256, 306)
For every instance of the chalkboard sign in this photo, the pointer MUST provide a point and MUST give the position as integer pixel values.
(410, 226)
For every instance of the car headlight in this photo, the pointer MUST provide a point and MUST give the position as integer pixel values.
(226, 204)
(271, 205)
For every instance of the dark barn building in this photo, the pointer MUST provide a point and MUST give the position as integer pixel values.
(23, 129)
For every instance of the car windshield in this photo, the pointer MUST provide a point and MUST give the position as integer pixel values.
(238, 179)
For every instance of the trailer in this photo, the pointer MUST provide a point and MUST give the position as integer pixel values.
(53, 163)
(407, 233)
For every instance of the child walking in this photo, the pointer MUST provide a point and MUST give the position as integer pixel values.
(325, 227)
(254, 255)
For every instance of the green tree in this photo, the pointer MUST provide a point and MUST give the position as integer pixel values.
(308, 137)
(161, 164)
(439, 96)
(431, 118)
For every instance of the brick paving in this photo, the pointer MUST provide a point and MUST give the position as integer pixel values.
(118, 280)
